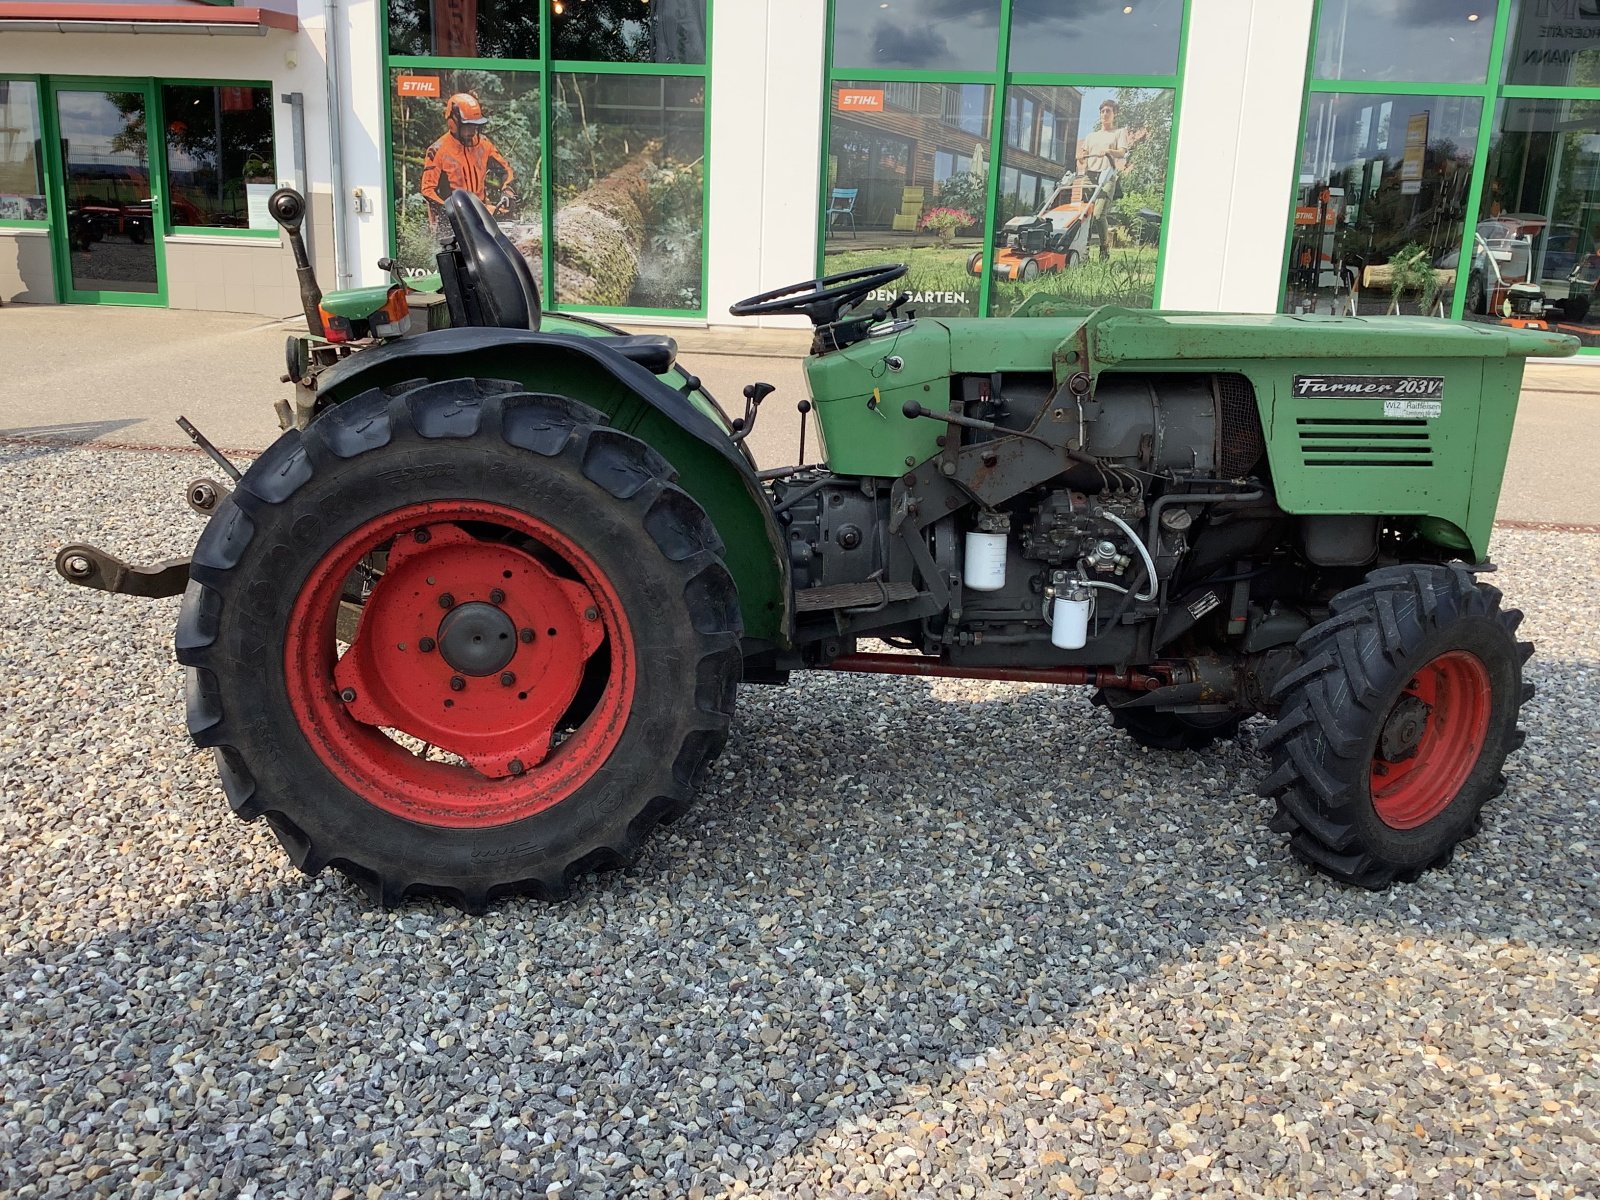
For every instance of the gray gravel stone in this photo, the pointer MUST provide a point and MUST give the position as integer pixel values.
(933, 939)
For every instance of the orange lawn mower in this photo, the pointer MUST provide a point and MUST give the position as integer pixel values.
(1055, 238)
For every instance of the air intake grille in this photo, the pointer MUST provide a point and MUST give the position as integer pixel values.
(1240, 444)
(1355, 442)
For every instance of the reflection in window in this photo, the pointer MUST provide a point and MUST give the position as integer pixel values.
(1381, 202)
(1536, 247)
(464, 28)
(909, 186)
(220, 161)
(21, 173)
(1420, 41)
(1089, 233)
(966, 106)
(935, 35)
(630, 190)
(1553, 43)
(455, 129)
(643, 31)
(1098, 37)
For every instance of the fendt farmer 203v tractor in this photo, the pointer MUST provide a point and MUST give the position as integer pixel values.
(476, 622)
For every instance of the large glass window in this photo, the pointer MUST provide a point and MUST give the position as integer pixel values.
(465, 28)
(1415, 41)
(1075, 119)
(1536, 246)
(1096, 37)
(1382, 196)
(639, 31)
(611, 212)
(630, 190)
(21, 168)
(915, 35)
(1553, 43)
(220, 162)
(896, 191)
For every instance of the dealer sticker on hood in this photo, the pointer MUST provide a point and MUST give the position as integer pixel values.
(1405, 396)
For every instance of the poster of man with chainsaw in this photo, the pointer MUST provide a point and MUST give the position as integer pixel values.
(463, 130)
(463, 159)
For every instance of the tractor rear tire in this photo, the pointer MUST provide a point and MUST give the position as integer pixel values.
(1167, 730)
(542, 604)
(1393, 730)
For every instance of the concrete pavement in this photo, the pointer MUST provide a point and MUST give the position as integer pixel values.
(120, 376)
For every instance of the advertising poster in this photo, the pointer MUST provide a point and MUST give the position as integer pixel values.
(629, 190)
(908, 182)
(1415, 154)
(472, 129)
(1083, 189)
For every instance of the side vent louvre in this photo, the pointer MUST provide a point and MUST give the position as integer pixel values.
(1355, 442)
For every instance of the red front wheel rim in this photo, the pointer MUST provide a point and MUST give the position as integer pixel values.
(491, 673)
(1431, 740)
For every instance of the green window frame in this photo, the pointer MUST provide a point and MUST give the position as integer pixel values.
(1001, 79)
(42, 126)
(546, 68)
(1489, 93)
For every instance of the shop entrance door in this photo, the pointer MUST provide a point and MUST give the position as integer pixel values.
(109, 246)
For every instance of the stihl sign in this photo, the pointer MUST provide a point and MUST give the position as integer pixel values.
(860, 100)
(425, 86)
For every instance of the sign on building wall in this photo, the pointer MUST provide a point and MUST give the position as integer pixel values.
(1416, 154)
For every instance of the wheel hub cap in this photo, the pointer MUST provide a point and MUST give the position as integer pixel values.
(477, 639)
(1402, 732)
(504, 670)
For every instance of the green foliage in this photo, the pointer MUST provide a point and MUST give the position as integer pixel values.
(966, 190)
(1411, 270)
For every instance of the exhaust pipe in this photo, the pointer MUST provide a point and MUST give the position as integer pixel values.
(288, 209)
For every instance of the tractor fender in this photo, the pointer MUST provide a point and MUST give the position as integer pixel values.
(710, 467)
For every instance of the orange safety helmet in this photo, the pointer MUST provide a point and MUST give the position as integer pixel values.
(463, 109)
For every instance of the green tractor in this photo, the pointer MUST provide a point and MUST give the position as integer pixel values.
(476, 623)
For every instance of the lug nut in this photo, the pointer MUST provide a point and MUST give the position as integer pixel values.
(348, 695)
(591, 614)
(507, 679)
(516, 766)
(426, 645)
(446, 600)
(422, 537)
(526, 635)
(457, 684)
(78, 566)
(497, 597)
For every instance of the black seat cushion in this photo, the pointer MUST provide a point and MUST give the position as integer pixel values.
(501, 292)
(654, 352)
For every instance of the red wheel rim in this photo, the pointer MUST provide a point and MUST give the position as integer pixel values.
(1431, 740)
(475, 640)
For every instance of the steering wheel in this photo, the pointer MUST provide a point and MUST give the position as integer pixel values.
(823, 299)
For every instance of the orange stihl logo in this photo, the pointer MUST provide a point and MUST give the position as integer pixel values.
(860, 100)
(418, 85)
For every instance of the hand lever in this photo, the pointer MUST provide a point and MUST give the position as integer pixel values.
(902, 299)
(912, 409)
(754, 394)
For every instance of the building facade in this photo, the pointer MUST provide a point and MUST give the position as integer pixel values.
(659, 159)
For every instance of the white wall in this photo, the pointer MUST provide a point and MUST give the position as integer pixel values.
(767, 103)
(1238, 140)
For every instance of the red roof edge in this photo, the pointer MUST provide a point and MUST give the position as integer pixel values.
(143, 14)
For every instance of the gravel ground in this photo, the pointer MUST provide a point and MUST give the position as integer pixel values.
(934, 939)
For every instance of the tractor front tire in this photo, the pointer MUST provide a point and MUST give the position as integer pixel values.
(1167, 730)
(1393, 730)
(546, 657)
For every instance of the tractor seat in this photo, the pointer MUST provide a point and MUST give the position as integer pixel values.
(495, 288)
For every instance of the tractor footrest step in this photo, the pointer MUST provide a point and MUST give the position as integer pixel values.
(852, 595)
